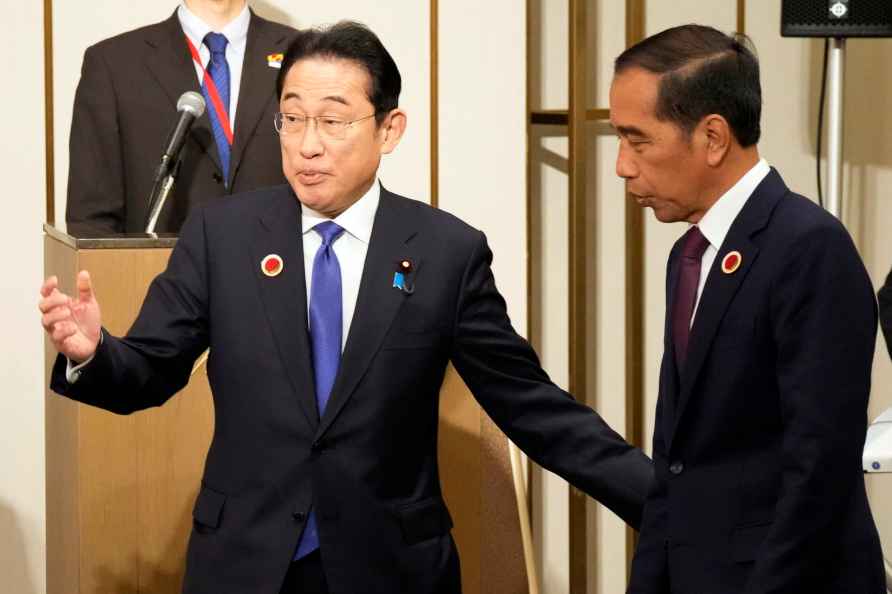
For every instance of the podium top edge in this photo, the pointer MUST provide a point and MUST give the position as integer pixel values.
(84, 240)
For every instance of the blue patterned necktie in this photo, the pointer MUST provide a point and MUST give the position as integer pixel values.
(326, 328)
(218, 70)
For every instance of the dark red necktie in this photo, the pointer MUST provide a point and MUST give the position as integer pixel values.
(685, 298)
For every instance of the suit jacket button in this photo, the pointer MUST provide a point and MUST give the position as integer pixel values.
(299, 516)
(676, 467)
(317, 445)
(218, 178)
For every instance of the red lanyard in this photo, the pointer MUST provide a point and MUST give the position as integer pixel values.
(222, 114)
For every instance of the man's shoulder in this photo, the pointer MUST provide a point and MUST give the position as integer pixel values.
(132, 39)
(272, 28)
(781, 217)
(797, 216)
(442, 224)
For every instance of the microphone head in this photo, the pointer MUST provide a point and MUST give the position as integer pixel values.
(191, 102)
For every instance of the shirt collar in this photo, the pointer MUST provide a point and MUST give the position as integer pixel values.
(236, 31)
(356, 220)
(718, 219)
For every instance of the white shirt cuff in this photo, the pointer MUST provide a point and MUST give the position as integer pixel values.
(72, 371)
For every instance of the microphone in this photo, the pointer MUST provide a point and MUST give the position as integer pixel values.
(190, 106)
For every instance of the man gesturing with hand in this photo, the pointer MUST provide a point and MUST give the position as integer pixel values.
(74, 325)
(331, 309)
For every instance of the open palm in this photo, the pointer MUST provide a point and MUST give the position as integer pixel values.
(73, 324)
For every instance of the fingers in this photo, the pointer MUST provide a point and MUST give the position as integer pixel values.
(61, 332)
(84, 287)
(55, 315)
(55, 299)
(48, 285)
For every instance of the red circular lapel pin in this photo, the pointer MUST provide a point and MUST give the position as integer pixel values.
(272, 265)
(731, 262)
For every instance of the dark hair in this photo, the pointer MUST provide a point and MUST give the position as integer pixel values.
(348, 40)
(703, 71)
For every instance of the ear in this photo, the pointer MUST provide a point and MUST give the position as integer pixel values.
(718, 137)
(391, 130)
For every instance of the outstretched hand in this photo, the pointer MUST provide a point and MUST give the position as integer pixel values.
(74, 325)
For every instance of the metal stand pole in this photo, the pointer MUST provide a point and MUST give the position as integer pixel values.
(836, 78)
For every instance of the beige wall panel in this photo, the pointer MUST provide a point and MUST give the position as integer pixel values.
(721, 14)
(481, 148)
(550, 285)
(549, 59)
(607, 42)
(549, 54)
(608, 203)
(482, 137)
(22, 164)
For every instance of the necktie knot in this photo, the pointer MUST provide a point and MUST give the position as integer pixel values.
(216, 42)
(329, 231)
(694, 244)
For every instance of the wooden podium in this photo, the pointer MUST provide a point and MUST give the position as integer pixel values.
(120, 489)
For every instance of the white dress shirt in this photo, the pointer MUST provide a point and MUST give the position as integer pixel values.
(718, 219)
(350, 248)
(237, 34)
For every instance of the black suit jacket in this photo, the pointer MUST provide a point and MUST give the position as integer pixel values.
(369, 465)
(758, 440)
(124, 109)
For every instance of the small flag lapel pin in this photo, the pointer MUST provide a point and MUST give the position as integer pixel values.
(731, 262)
(272, 265)
(401, 277)
(275, 60)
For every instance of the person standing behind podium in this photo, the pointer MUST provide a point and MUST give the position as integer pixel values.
(125, 106)
(770, 333)
(332, 307)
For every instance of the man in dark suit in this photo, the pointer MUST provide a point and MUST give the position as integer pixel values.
(125, 107)
(769, 340)
(331, 308)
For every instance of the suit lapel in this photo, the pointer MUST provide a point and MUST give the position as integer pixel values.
(278, 231)
(258, 87)
(171, 64)
(721, 288)
(377, 303)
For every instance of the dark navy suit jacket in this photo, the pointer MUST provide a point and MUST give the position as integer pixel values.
(758, 440)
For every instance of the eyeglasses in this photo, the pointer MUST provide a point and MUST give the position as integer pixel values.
(328, 127)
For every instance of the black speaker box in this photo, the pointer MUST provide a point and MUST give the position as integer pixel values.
(836, 18)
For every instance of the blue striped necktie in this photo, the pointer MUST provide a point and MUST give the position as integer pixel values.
(218, 70)
(326, 328)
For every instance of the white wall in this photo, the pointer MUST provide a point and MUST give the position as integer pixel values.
(22, 163)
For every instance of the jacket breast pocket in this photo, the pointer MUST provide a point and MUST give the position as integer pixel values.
(746, 541)
(424, 520)
(208, 510)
